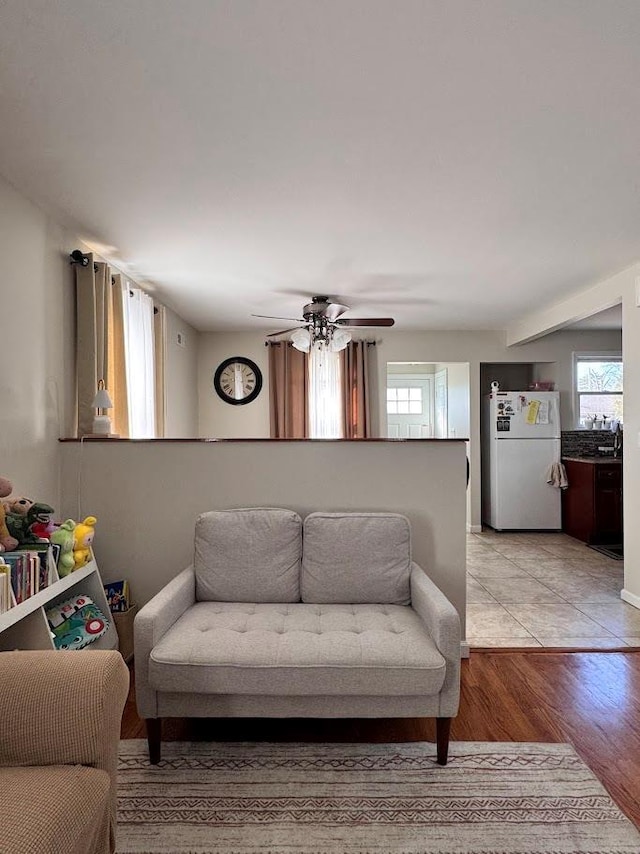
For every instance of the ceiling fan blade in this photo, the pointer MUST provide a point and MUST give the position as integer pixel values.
(272, 317)
(283, 331)
(334, 310)
(365, 321)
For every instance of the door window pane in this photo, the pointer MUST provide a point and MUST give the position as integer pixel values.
(404, 401)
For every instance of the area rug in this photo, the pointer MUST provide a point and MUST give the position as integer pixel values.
(253, 798)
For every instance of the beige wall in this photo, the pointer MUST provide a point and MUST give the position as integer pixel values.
(631, 471)
(181, 378)
(218, 419)
(411, 368)
(36, 323)
(145, 527)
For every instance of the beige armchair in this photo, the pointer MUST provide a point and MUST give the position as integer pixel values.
(60, 716)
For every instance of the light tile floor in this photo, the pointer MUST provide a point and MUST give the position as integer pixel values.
(545, 590)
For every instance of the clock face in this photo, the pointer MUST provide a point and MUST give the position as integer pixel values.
(238, 380)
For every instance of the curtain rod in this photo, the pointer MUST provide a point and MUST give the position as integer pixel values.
(79, 257)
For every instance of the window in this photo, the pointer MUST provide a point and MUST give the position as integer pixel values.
(325, 394)
(140, 363)
(597, 387)
(402, 401)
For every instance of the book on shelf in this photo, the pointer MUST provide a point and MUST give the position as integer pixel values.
(117, 593)
(7, 599)
(30, 570)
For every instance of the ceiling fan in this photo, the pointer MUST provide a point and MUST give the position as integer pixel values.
(323, 325)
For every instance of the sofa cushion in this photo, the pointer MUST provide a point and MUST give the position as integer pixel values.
(297, 649)
(356, 557)
(248, 555)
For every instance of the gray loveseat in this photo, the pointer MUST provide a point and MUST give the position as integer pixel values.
(276, 618)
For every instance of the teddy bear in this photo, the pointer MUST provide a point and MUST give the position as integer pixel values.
(18, 505)
(7, 542)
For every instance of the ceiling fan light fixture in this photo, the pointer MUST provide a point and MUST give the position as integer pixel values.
(301, 340)
(339, 340)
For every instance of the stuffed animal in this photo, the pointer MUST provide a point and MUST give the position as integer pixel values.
(7, 542)
(43, 526)
(83, 537)
(63, 537)
(20, 506)
(20, 526)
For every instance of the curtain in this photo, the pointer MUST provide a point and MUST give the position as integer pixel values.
(139, 349)
(99, 345)
(117, 371)
(160, 339)
(325, 394)
(288, 390)
(356, 390)
(86, 347)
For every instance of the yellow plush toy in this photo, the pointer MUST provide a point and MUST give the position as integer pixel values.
(83, 535)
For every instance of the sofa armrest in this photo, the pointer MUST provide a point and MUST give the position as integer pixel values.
(63, 708)
(443, 624)
(150, 624)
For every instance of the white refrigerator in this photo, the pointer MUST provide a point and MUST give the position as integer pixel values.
(521, 440)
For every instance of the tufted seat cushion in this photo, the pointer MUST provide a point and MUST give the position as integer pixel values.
(297, 649)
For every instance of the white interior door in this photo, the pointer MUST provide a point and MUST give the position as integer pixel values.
(409, 406)
(441, 405)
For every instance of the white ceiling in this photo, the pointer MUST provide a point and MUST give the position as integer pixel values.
(454, 163)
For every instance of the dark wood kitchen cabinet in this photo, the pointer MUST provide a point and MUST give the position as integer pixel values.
(592, 503)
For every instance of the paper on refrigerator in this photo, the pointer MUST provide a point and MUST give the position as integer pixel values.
(543, 412)
(532, 412)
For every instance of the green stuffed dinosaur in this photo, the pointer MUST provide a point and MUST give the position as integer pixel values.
(64, 537)
(20, 526)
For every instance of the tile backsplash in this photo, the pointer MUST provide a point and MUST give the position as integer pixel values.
(580, 443)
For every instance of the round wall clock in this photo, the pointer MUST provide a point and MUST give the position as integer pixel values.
(238, 380)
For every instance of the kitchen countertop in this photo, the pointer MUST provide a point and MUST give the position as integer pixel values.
(593, 460)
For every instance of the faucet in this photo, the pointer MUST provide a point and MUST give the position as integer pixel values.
(617, 442)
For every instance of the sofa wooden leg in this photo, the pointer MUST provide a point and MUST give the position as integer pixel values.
(154, 739)
(443, 728)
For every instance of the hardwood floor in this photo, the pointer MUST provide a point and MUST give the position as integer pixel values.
(591, 700)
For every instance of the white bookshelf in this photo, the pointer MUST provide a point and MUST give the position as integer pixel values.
(25, 626)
